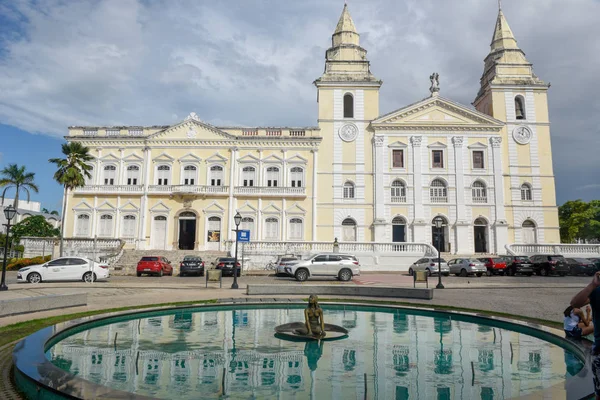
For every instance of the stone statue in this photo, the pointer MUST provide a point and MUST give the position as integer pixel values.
(314, 325)
(435, 83)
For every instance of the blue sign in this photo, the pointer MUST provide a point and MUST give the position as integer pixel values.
(243, 236)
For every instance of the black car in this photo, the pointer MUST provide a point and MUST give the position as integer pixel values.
(596, 263)
(579, 266)
(191, 265)
(226, 264)
(549, 264)
(518, 265)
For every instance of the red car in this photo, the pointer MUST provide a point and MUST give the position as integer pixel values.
(494, 266)
(154, 266)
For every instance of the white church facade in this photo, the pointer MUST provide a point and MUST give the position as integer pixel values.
(358, 176)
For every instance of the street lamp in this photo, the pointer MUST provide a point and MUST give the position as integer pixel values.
(237, 219)
(439, 223)
(9, 213)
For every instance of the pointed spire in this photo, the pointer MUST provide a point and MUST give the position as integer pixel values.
(345, 31)
(503, 35)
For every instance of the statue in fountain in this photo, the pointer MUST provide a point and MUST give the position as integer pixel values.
(313, 327)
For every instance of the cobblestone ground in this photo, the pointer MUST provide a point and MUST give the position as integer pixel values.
(538, 297)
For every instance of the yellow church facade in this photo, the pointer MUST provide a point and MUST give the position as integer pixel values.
(358, 176)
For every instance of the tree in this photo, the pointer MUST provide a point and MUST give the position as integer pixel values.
(71, 174)
(579, 221)
(54, 212)
(15, 177)
(36, 226)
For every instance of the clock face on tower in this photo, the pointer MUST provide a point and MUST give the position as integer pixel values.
(348, 132)
(522, 134)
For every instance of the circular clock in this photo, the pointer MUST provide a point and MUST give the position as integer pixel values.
(522, 134)
(348, 132)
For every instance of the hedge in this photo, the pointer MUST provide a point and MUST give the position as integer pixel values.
(17, 263)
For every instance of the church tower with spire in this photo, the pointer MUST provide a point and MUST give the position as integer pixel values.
(511, 92)
(348, 99)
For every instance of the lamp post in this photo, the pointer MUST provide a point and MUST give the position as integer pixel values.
(9, 213)
(439, 223)
(237, 219)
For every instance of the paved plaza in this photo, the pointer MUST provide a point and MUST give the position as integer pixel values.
(536, 297)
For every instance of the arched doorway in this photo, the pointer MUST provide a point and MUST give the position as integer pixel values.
(440, 235)
(159, 233)
(398, 229)
(529, 232)
(213, 234)
(480, 231)
(187, 230)
(349, 230)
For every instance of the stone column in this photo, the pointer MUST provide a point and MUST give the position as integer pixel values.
(314, 197)
(419, 224)
(142, 245)
(462, 226)
(379, 222)
(500, 225)
(231, 210)
(122, 172)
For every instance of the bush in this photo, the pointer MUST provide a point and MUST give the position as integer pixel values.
(18, 263)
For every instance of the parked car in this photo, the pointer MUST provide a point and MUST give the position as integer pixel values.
(282, 262)
(154, 265)
(191, 265)
(494, 265)
(64, 269)
(467, 266)
(546, 264)
(596, 263)
(342, 266)
(227, 266)
(429, 265)
(579, 266)
(518, 265)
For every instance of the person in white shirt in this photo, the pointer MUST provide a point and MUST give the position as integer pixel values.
(576, 324)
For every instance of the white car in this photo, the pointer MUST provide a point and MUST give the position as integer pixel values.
(342, 266)
(282, 262)
(430, 265)
(64, 269)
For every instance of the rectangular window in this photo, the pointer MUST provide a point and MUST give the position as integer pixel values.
(132, 181)
(248, 182)
(437, 157)
(397, 158)
(478, 160)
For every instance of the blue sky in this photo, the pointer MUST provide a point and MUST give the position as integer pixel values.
(252, 62)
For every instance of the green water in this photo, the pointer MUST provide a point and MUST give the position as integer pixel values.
(234, 354)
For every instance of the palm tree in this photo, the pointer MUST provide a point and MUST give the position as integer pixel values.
(71, 174)
(16, 177)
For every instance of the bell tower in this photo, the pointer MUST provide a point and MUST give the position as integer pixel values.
(511, 92)
(348, 99)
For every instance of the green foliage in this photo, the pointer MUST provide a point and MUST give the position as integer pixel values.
(36, 226)
(72, 170)
(18, 263)
(579, 220)
(15, 177)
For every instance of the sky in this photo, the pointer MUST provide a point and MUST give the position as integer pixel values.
(252, 63)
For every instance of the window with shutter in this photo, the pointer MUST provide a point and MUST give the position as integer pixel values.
(478, 160)
(106, 226)
(110, 173)
(189, 175)
(216, 175)
(248, 176)
(397, 158)
(437, 157)
(296, 229)
(163, 175)
(272, 176)
(271, 229)
(296, 176)
(128, 226)
(83, 225)
(133, 174)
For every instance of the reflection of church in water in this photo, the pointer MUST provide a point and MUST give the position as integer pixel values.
(235, 353)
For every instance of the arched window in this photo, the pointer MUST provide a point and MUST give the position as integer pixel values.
(163, 175)
(520, 107)
(189, 175)
(248, 225)
(271, 229)
(272, 177)
(248, 176)
(110, 173)
(133, 175)
(83, 225)
(106, 226)
(526, 192)
(128, 228)
(529, 232)
(296, 176)
(348, 190)
(438, 191)
(479, 191)
(296, 231)
(216, 175)
(348, 106)
(398, 221)
(398, 191)
(349, 230)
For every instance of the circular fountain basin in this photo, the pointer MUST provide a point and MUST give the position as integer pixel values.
(231, 351)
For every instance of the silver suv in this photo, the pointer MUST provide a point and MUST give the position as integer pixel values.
(342, 266)
(429, 265)
(467, 266)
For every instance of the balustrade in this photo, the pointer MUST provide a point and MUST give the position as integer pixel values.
(269, 247)
(398, 199)
(110, 189)
(269, 190)
(574, 250)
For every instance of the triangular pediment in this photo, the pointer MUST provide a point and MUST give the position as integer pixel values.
(216, 158)
(273, 159)
(297, 159)
(437, 111)
(271, 209)
(133, 157)
(110, 157)
(398, 144)
(189, 157)
(295, 209)
(247, 209)
(82, 206)
(164, 157)
(129, 206)
(248, 158)
(106, 206)
(214, 207)
(160, 207)
(477, 145)
(437, 145)
(191, 129)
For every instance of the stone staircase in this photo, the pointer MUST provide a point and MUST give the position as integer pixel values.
(127, 264)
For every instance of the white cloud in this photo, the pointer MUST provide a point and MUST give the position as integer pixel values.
(589, 186)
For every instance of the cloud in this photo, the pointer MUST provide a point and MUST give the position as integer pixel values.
(252, 63)
(590, 186)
